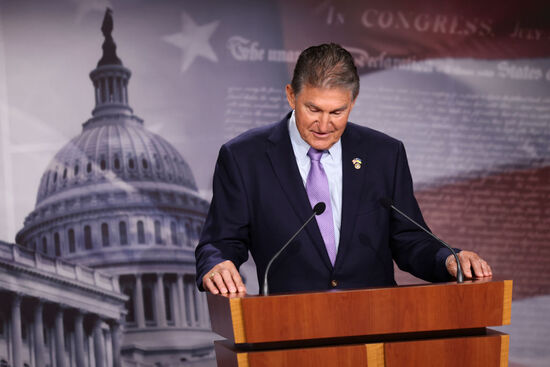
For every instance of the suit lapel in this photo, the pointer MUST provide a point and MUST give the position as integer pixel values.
(284, 164)
(352, 185)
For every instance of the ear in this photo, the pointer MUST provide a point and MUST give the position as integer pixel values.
(290, 96)
(352, 103)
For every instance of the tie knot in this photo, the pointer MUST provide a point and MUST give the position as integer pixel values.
(314, 154)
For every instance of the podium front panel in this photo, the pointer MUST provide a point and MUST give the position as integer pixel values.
(378, 311)
(489, 351)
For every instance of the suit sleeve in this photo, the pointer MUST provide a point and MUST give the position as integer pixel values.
(413, 250)
(225, 234)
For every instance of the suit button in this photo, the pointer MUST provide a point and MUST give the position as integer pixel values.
(333, 283)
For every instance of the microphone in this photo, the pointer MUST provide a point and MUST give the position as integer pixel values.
(388, 204)
(318, 209)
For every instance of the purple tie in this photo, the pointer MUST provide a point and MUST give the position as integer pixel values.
(317, 191)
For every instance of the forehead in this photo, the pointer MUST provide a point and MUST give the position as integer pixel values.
(325, 96)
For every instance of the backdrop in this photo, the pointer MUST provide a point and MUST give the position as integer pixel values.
(465, 85)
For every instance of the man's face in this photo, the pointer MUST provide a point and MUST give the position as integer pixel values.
(321, 113)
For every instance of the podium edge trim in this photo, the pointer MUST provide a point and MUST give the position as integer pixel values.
(237, 318)
(507, 302)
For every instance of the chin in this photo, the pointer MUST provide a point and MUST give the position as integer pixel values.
(322, 146)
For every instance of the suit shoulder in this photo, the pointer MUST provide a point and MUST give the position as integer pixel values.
(252, 136)
(373, 135)
(255, 140)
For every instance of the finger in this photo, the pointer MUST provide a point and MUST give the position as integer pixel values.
(228, 279)
(466, 267)
(486, 269)
(450, 263)
(209, 285)
(241, 288)
(478, 268)
(219, 282)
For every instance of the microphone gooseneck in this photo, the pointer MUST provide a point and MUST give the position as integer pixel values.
(388, 204)
(318, 209)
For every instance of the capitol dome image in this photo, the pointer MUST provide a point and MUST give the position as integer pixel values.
(122, 200)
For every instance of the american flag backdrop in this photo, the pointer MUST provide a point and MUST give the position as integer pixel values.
(465, 85)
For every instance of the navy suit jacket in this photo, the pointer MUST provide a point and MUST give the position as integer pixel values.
(259, 201)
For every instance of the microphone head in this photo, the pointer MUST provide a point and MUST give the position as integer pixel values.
(319, 208)
(386, 202)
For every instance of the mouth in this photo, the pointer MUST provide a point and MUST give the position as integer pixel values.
(321, 135)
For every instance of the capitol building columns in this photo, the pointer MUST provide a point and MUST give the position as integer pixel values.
(138, 302)
(79, 338)
(164, 300)
(99, 343)
(191, 301)
(59, 338)
(160, 309)
(17, 343)
(174, 302)
(57, 332)
(39, 350)
(115, 331)
(48, 309)
(181, 298)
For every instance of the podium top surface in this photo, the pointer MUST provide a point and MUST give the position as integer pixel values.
(244, 318)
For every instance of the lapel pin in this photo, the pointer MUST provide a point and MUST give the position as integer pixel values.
(357, 162)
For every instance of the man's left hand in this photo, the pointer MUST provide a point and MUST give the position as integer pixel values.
(469, 260)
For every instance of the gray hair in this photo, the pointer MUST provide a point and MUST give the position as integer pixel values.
(326, 66)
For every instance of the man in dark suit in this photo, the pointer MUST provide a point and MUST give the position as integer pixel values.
(267, 180)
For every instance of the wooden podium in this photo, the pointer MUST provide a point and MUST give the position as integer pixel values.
(440, 325)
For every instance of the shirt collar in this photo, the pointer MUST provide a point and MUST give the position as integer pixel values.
(301, 147)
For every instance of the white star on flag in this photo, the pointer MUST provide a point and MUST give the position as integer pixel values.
(193, 41)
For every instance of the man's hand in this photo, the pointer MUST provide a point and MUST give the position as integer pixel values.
(469, 260)
(223, 278)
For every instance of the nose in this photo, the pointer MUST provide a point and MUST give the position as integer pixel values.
(324, 122)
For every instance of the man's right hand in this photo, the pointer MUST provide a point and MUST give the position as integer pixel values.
(223, 278)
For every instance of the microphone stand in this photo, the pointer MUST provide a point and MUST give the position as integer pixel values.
(459, 276)
(317, 210)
